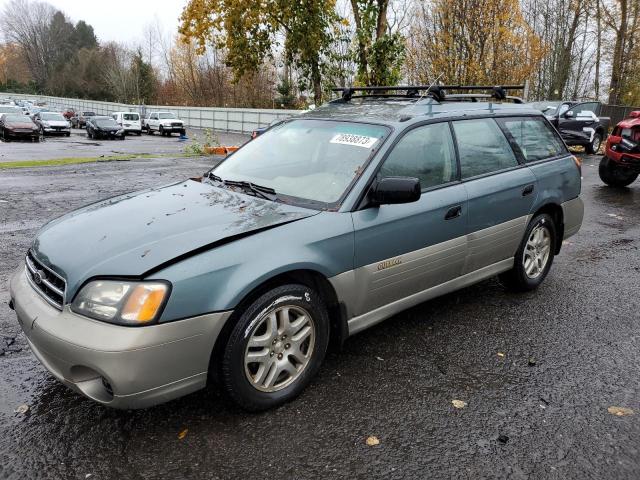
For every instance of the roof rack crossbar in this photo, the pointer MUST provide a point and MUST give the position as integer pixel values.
(437, 92)
(425, 87)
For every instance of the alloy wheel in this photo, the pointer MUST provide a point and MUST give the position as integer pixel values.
(279, 348)
(536, 252)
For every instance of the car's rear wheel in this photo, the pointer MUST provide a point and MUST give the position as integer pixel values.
(593, 147)
(534, 257)
(614, 175)
(276, 347)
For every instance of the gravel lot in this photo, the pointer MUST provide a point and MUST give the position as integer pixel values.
(79, 145)
(538, 371)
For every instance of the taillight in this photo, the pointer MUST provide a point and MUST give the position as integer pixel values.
(578, 163)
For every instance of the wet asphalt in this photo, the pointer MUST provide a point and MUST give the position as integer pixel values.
(538, 371)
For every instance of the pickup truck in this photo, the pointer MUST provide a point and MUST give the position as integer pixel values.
(163, 122)
(579, 123)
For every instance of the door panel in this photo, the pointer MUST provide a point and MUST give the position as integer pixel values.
(498, 215)
(404, 249)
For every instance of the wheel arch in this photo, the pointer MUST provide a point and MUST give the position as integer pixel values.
(338, 329)
(554, 210)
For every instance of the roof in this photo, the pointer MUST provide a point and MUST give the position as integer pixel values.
(393, 111)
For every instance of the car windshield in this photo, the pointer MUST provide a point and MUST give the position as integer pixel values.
(52, 117)
(548, 108)
(131, 116)
(312, 160)
(166, 115)
(88, 114)
(12, 117)
(105, 122)
(8, 109)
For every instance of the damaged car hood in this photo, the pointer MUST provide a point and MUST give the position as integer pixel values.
(131, 234)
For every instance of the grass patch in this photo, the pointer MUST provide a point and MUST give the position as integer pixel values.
(73, 160)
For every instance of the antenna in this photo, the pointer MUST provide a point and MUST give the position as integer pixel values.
(429, 89)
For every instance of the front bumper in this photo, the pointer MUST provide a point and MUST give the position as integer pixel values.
(56, 131)
(121, 367)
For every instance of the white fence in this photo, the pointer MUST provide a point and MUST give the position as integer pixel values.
(242, 120)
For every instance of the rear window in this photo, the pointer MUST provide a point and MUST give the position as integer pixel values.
(131, 116)
(534, 137)
(482, 147)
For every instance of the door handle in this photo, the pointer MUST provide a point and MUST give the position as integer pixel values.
(528, 190)
(453, 212)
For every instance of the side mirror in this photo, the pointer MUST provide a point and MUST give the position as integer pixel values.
(392, 190)
(568, 114)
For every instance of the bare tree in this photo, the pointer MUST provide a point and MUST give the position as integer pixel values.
(27, 24)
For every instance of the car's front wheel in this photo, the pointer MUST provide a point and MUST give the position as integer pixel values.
(593, 147)
(614, 175)
(534, 257)
(276, 347)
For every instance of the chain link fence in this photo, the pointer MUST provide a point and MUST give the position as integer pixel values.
(240, 120)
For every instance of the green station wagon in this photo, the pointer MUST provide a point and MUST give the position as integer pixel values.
(323, 226)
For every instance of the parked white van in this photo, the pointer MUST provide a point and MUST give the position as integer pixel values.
(129, 121)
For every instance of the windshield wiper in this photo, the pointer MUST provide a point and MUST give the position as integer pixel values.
(267, 193)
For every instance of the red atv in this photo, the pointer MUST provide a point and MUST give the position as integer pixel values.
(620, 165)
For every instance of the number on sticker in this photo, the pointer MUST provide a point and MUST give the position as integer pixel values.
(355, 140)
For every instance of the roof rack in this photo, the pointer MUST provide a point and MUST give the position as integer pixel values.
(437, 92)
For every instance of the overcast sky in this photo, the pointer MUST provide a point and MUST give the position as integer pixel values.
(121, 20)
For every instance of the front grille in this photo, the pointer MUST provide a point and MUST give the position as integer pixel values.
(176, 124)
(45, 281)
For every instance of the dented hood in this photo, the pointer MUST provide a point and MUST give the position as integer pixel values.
(132, 234)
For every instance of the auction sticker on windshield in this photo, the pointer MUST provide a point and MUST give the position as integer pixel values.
(355, 140)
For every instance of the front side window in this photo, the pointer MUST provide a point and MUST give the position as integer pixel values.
(426, 153)
(534, 137)
(312, 160)
(586, 107)
(482, 147)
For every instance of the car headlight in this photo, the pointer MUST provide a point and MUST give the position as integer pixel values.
(45, 124)
(122, 302)
(120, 132)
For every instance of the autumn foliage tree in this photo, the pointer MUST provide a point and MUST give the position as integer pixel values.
(248, 31)
(472, 42)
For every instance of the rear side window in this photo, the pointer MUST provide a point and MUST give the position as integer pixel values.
(426, 153)
(534, 137)
(482, 147)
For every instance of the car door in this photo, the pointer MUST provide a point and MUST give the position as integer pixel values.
(500, 192)
(407, 248)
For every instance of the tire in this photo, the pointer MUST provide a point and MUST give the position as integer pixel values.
(613, 175)
(593, 147)
(89, 134)
(161, 130)
(149, 131)
(256, 385)
(68, 134)
(517, 279)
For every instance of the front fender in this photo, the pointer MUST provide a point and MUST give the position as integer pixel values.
(218, 279)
